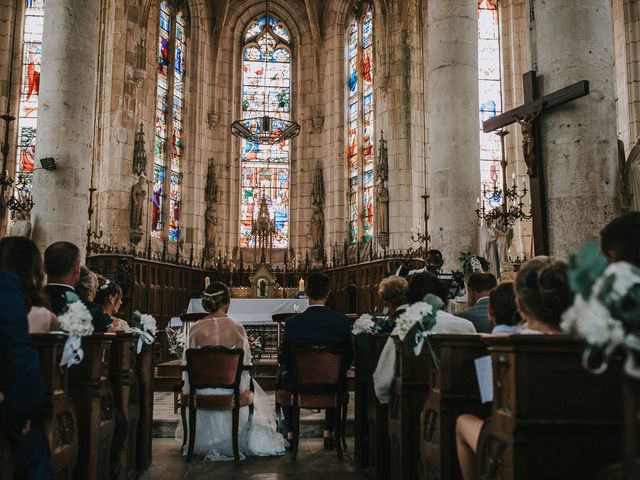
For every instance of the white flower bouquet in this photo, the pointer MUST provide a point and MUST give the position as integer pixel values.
(75, 321)
(363, 325)
(176, 339)
(606, 309)
(415, 324)
(145, 326)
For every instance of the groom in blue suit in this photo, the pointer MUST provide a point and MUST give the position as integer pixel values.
(317, 325)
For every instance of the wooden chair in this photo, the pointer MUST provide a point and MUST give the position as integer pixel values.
(318, 375)
(216, 367)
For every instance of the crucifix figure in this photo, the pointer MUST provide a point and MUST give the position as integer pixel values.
(528, 116)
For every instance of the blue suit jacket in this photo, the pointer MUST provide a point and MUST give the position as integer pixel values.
(20, 378)
(317, 325)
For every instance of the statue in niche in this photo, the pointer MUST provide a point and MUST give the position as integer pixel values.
(262, 288)
(138, 195)
(382, 166)
(317, 230)
(631, 178)
(139, 154)
(212, 221)
(382, 208)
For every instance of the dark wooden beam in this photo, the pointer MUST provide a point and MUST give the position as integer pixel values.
(567, 94)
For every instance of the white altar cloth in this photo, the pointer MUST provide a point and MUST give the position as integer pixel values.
(256, 310)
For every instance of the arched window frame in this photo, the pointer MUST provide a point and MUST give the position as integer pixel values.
(490, 90)
(359, 123)
(262, 161)
(170, 113)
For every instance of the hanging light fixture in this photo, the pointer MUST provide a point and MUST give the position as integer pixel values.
(265, 130)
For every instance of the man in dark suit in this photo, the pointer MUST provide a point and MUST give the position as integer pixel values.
(22, 392)
(62, 263)
(479, 286)
(317, 325)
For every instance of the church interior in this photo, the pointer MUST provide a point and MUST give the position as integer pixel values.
(263, 239)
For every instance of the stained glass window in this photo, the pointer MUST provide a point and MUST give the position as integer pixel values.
(168, 147)
(266, 89)
(29, 88)
(360, 126)
(489, 76)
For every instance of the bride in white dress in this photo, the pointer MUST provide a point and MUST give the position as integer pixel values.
(213, 428)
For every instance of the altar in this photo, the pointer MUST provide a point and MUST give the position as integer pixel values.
(256, 310)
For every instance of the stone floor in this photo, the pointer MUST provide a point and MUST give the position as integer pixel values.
(313, 463)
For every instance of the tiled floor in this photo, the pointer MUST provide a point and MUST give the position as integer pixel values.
(313, 463)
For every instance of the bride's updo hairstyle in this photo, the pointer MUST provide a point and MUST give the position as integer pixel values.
(215, 296)
(542, 286)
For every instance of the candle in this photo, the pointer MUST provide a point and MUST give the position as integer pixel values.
(477, 200)
(301, 285)
(207, 281)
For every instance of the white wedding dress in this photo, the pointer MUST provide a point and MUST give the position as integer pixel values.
(214, 428)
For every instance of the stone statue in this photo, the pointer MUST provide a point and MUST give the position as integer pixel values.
(503, 235)
(139, 154)
(138, 195)
(211, 217)
(631, 178)
(382, 167)
(382, 208)
(317, 229)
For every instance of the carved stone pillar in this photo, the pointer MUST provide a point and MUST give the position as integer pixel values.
(66, 121)
(454, 146)
(573, 41)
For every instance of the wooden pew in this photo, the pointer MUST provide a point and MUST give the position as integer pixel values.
(144, 372)
(126, 396)
(454, 391)
(58, 419)
(92, 398)
(367, 350)
(378, 422)
(408, 392)
(551, 418)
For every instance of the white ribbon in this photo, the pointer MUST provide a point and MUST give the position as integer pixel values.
(631, 343)
(143, 337)
(72, 353)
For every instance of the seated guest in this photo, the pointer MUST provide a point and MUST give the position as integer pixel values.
(22, 393)
(479, 286)
(21, 256)
(62, 265)
(503, 314)
(542, 296)
(213, 432)
(315, 326)
(109, 297)
(393, 291)
(620, 239)
(419, 286)
(87, 285)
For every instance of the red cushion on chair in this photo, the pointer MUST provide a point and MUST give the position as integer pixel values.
(284, 398)
(222, 402)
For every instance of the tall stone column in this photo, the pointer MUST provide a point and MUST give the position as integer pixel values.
(573, 41)
(66, 121)
(454, 147)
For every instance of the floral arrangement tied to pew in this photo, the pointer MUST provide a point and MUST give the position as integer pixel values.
(368, 324)
(145, 326)
(414, 326)
(76, 322)
(606, 309)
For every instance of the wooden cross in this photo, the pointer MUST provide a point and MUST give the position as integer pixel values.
(527, 116)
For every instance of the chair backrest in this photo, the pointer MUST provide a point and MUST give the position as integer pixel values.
(214, 367)
(281, 317)
(318, 369)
